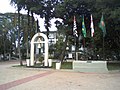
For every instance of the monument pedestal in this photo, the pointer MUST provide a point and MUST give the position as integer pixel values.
(90, 66)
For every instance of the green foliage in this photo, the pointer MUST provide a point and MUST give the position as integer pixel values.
(66, 9)
(58, 47)
(111, 10)
(41, 58)
(9, 33)
(5, 36)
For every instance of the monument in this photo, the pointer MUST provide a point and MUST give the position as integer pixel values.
(33, 42)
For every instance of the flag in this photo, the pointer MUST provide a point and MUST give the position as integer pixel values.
(75, 28)
(102, 26)
(92, 27)
(83, 27)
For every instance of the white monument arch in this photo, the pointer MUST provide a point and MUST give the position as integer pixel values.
(33, 42)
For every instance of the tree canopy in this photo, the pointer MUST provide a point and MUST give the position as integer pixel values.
(67, 9)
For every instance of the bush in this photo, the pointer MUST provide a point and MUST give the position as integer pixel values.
(41, 59)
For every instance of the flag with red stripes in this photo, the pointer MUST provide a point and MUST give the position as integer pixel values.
(92, 27)
(75, 28)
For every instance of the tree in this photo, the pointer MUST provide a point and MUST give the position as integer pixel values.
(45, 9)
(111, 11)
(5, 34)
(66, 9)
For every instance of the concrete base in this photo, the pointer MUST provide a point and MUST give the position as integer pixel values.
(90, 66)
(28, 62)
(50, 62)
(58, 65)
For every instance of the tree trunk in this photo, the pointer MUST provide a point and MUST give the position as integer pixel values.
(37, 27)
(64, 49)
(19, 37)
(4, 42)
(28, 33)
(47, 25)
(32, 26)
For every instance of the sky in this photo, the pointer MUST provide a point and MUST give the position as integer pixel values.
(5, 7)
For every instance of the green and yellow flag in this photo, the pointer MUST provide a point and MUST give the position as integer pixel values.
(83, 27)
(102, 26)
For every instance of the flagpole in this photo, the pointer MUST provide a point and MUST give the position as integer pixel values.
(92, 34)
(103, 48)
(84, 47)
(76, 58)
(102, 26)
(84, 34)
(75, 46)
(75, 36)
(92, 48)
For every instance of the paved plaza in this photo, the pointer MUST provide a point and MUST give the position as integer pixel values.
(20, 78)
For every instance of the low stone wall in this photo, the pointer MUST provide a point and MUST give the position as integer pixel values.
(90, 66)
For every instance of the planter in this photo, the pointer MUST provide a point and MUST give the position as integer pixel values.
(28, 62)
(50, 62)
(58, 65)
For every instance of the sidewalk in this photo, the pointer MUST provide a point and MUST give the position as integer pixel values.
(40, 79)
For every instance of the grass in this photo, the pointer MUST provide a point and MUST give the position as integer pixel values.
(19, 66)
(113, 66)
(64, 65)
